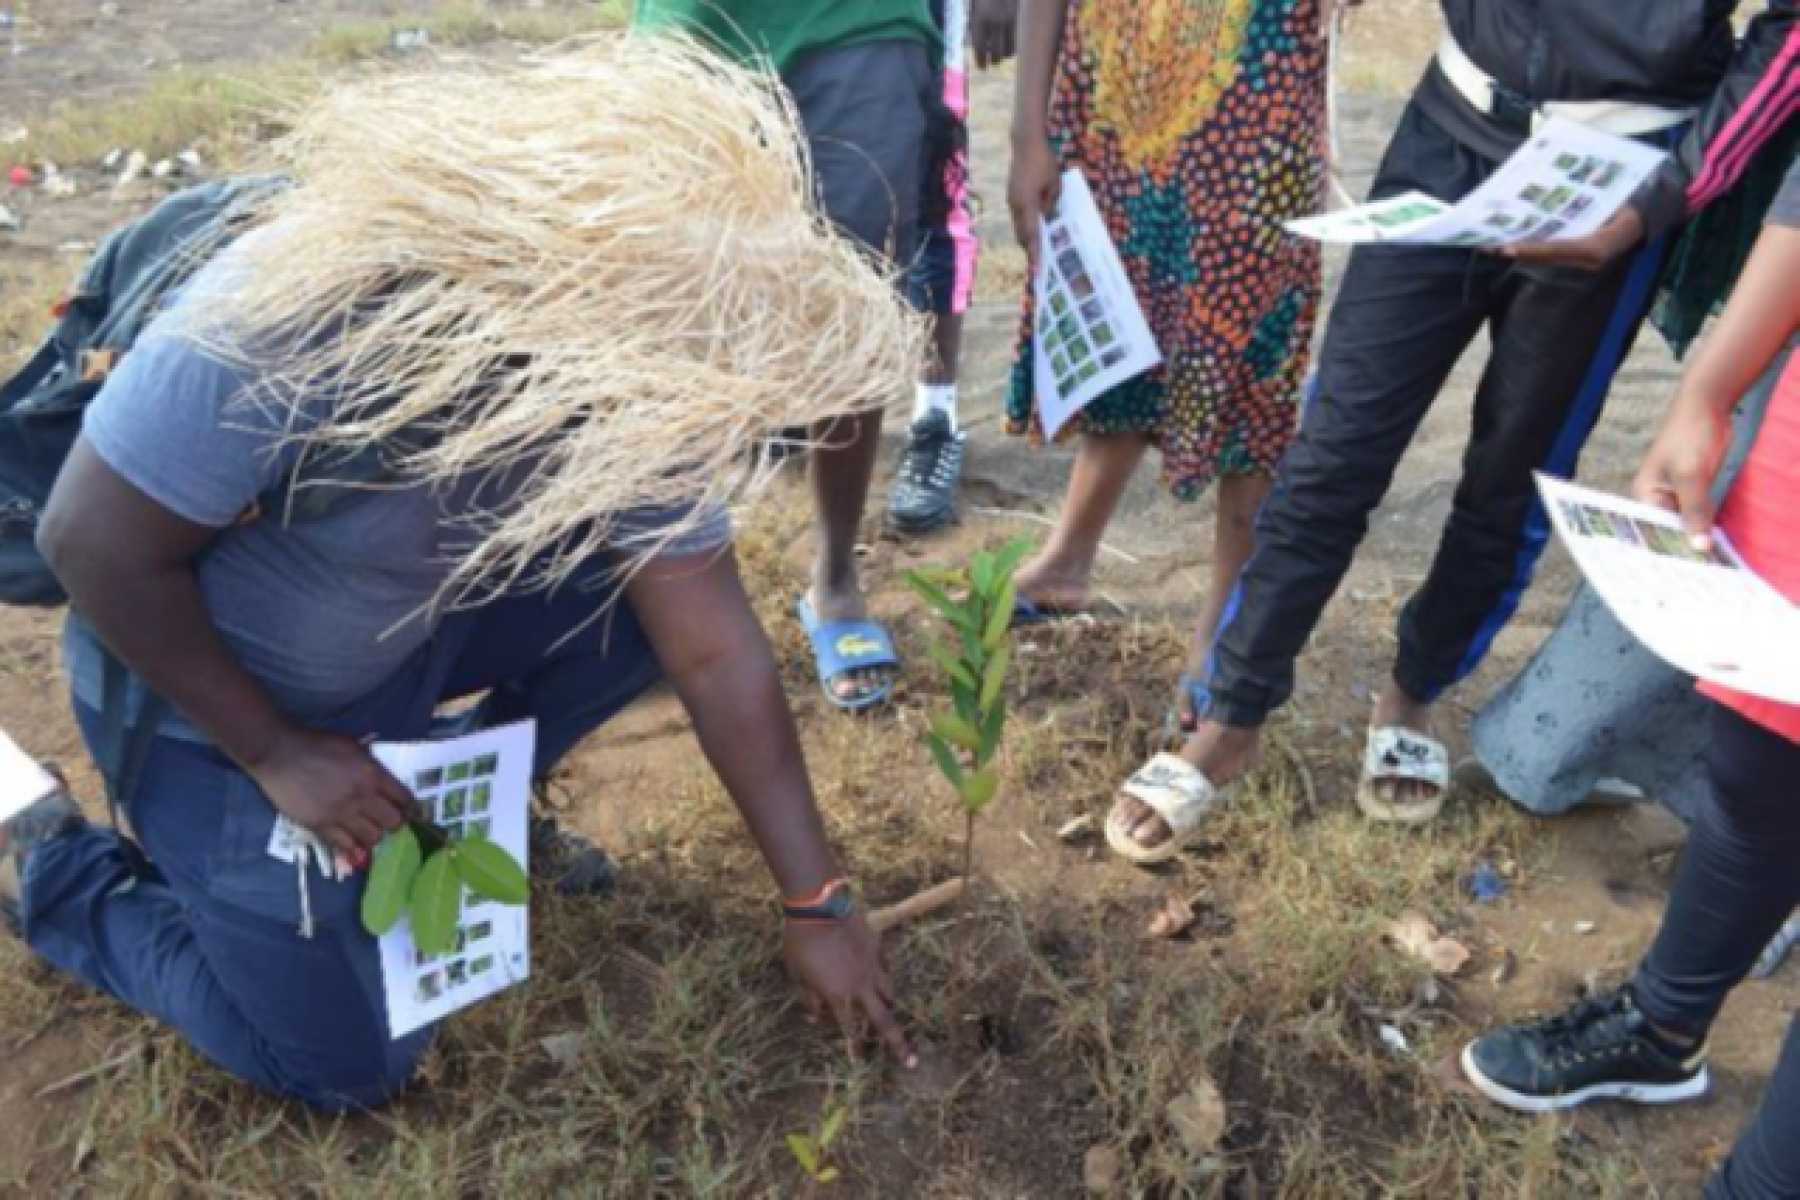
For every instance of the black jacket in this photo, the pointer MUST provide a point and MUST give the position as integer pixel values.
(1672, 53)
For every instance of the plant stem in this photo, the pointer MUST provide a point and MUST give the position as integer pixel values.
(968, 845)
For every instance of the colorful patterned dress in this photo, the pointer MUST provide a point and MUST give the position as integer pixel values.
(1198, 124)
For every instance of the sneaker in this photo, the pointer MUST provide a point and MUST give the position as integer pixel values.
(570, 863)
(924, 493)
(1602, 1048)
(52, 816)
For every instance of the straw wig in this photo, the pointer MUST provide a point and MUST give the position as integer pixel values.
(601, 270)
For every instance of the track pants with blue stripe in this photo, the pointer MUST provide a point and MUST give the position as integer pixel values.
(1402, 318)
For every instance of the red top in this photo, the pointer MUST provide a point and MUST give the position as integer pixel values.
(1761, 515)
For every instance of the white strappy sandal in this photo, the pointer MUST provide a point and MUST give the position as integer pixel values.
(1397, 753)
(1179, 793)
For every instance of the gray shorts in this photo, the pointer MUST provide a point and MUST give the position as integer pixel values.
(864, 109)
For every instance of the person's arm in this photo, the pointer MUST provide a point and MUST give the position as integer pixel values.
(1763, 313)
(706, 637)
(128, 566)
(1757, 97)
(1035, 181)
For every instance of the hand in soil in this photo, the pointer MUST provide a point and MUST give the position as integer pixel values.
(839, 969)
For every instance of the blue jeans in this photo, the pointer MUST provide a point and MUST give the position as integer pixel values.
(206, 938)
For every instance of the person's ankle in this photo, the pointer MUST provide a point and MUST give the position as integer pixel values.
(1221, 752)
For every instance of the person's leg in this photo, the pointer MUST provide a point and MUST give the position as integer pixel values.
(1765, 1163)
(1736, 882)
(1056, 578)
(864, 111)
(1734, 887)
(1558, 338)
(1240, 497)
(1403, 316)
(210, 941)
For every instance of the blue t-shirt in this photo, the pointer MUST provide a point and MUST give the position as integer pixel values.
(323, 609)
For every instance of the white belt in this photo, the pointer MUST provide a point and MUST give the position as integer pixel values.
(1621, 117)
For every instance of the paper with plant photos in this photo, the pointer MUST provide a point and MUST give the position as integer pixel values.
(477, 785)
(1704, 611)
(1565, 182)
(1090, 333)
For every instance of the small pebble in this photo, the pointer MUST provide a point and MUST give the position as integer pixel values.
(1585, 927)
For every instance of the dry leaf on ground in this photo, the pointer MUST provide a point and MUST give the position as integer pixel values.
(1198, 1116)
(1416, 935)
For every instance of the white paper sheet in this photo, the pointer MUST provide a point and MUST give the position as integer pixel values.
(1565, 182)
(1708, 614)
(1091, 334)
(22, 782)
(481, 782)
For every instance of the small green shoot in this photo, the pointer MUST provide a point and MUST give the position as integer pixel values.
(812, 1150)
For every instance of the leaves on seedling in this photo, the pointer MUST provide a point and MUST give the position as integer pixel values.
(990, 730)
(436, 903)
(939, 599)
(1000, 618)
(491, 872)
(966, 702)
(397, 862)
(827, 1175)
(994, 678)
(805, 1153)
(1010, 556)
(431, 837)
(981, 573)
(978, 789)
(834, 1124)
(946, 761)
(955, 730)
(947, 662)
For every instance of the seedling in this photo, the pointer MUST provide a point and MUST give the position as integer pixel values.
(977, 604)
(419, 871)
(812, 1150)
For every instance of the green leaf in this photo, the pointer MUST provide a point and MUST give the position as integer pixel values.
(939, 599)
(436, 903)
(994, 678)
(431, 837)
(1010, 556)
(491, 872)
(946, 760)
(397, 861)
(978, 789)
(965, 700)
(981, 573)
(801, 1147)
(990, 730)
(834, 1124)
(955, 730)
(940, 654)
(1000, 617)
(827, 1175)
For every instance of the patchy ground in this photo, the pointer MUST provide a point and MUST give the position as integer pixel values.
(1051, 1027)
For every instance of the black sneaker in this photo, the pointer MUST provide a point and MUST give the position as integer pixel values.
(924, 492)
(49, 817)
(1602, 1048)
(570, 863)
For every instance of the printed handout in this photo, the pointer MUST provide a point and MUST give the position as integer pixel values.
(22, 781)
(1566, 182)
(1090, 333)
(1703, 611)
(473, 786)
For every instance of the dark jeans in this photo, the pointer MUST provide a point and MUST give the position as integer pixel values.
(207, 938)
(1403, 317)
(1738, 880)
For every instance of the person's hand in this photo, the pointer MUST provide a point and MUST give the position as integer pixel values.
(1679, 469)
(1615, 239)
(331, 785)
(839, 969)
(1032, 189)
(992, 29)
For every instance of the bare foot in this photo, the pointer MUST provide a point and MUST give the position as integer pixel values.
(1394, 707)
(1224, 753)
(1054, 584)
(847, 604)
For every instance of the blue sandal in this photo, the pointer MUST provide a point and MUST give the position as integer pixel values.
(843, 646)
(1028, 612)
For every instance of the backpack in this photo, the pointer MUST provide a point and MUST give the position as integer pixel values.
(122, 288)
